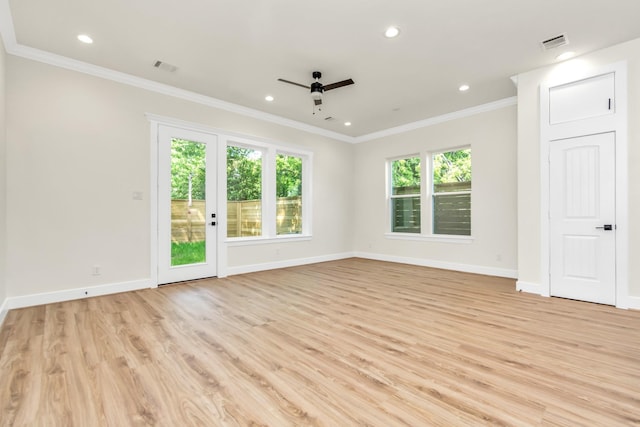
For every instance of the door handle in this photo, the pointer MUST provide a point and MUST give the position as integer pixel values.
(606, 227)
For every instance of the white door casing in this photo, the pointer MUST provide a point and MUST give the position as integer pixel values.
(605, 114)
(168, 273)
(582, 218)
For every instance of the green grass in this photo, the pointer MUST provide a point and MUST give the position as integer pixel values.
(187, 253)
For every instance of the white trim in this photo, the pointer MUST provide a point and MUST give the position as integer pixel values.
(252, 268)
(528, 287)
(617, 123)
(153, 203)
(74, 294)
(283, 238)
(164, 89)
(444, 265)
(467, 112)
(7, 31)
(633, 303)
(448, 238)
(4, 310)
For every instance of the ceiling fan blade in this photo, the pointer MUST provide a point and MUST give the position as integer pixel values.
(317, 101)
(338, 84)
(294, 83)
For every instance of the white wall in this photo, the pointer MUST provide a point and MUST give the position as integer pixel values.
(492, 136)
(78, 146)
(3, 165)
(529, 163)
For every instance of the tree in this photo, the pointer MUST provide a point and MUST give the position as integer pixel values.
(452, 166)
(288, 176)
(244, 174)
(187, 160)
(406, 175)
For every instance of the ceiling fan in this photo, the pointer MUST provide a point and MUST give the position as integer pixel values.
(318, 88)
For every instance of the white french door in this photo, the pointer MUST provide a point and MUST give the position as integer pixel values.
(187, 232)
(582, 218)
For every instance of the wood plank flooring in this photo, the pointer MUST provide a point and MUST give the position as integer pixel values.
(351, 342)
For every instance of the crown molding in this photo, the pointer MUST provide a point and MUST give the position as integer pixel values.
(12, 47)
(164, 89)
(7, 31)
(483, 108)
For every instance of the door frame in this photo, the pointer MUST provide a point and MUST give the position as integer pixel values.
(616, 123)
(221, 191)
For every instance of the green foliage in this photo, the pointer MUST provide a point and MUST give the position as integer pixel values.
(187, 253)
(452, 166)
(244, 174)
(288, 176)
(406, 175)
(187, 159)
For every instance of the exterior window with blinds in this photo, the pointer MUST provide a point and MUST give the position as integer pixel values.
(405, 195)
(452, 192)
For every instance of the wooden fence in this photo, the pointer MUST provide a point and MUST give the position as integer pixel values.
(187, 222)
(451, 212)
(244, 218)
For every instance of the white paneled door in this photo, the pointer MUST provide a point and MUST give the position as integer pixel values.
(582, 218)
(187, 222)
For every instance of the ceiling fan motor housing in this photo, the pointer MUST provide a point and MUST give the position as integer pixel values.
(316, 89)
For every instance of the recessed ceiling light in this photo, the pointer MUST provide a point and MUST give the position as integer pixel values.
(347, 123)
(565, 55)
(463, 88)
(85, 38)
(392, 32)
(268, 98)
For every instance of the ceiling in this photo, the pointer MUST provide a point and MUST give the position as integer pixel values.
(235, 50)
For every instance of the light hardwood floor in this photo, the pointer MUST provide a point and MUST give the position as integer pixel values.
(352, 342)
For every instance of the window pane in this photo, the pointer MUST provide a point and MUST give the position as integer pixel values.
(405, 214)
(452, 171)
(405, 176)
(452, 192)
(288, 194)
(452, 214)
(188, 175)
(244, 192)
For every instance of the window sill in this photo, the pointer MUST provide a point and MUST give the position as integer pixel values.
(465, 240)
(246, 241)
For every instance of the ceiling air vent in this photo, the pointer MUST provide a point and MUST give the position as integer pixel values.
(555, 42)
(165, 66)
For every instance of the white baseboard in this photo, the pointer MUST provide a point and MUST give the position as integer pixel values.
(633, 303)
(73, 294)
(231, 271)
(467, 268)
(528, 287)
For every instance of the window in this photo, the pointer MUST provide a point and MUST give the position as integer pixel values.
(265, 188)
(288, 194)
(405, 195)
(448, 185)
(244, 192)
(452, 192)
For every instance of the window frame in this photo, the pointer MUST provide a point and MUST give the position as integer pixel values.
(433, 193)
(263, 151)
(426, 193)
(391, 197)
(269, 153)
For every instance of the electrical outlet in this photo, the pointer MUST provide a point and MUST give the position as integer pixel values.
(96, 270)
(136, 195)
